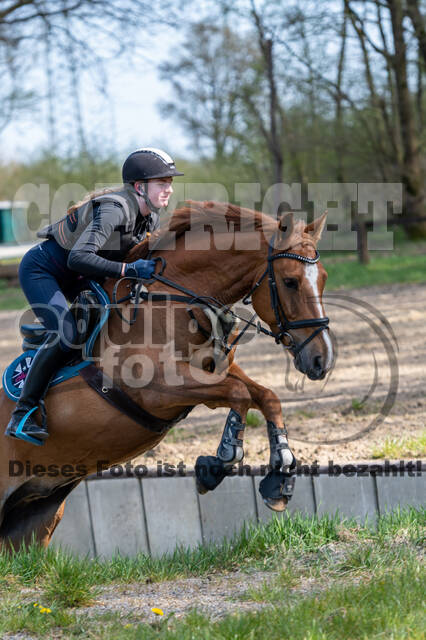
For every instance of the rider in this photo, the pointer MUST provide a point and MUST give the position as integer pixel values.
(92, 239)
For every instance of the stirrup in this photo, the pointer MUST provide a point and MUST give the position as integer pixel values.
(21, 435)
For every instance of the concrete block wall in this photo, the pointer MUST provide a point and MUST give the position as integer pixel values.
(156, 514)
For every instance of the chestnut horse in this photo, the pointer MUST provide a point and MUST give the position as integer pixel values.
(218, 252)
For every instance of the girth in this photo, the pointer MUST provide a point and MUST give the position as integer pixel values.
(120, 400)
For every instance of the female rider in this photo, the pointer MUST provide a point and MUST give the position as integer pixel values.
(92, 240)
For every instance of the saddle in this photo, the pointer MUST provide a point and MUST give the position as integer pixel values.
(91, 310)
(86, 312)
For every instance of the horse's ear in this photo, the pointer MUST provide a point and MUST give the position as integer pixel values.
(286, 224)
(316, 227)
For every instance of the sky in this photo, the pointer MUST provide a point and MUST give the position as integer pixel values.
(130, 120)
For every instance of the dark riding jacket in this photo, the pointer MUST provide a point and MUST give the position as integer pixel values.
(100, 233)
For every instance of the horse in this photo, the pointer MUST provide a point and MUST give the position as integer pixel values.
(216, 254)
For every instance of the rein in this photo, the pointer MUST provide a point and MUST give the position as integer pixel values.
(284, 325)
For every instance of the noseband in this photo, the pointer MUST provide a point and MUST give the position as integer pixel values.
(284, 324)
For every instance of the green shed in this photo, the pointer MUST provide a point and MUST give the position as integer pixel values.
(13, 223)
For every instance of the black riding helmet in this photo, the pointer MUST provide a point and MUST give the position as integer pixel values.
(146, 164)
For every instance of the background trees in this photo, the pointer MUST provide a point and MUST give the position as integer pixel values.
(265, 91)
(58, 42)
(323, 92)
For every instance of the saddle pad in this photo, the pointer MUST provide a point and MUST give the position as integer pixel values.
(15, 374)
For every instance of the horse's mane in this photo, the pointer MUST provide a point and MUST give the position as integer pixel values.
(196, 216)
(222, 217)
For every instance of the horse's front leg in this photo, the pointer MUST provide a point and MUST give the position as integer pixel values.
(214, 390)
(277, 487)
(211, 470)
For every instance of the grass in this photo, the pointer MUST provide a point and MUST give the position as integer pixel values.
(362, 582)
(11, 298)
(253, 546)
(393, 447)
(380, 270)
(68, 582)
(272, 590)
(254, 419)
(177, 434)
(390, 606)
(357, 405)
(303, 413)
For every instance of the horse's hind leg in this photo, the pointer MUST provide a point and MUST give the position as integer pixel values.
(37, 525)
(34, 518)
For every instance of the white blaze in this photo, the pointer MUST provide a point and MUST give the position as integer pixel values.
(311, 272)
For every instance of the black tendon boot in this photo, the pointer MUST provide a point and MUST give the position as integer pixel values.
(46, 362)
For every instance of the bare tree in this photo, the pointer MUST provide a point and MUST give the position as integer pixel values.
(69, 32)
(411, 170)
(272, 130)
(419, 24)
(340, 131)
(204, 76)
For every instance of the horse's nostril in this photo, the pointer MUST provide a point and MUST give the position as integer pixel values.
(318, 363)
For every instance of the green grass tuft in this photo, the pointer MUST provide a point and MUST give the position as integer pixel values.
(33, 617)
(254, 545)
(69, 582)
(393, 447)
(357, 405)
(254, 419)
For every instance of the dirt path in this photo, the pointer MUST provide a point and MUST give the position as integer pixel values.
(215, 595)
(326, 410)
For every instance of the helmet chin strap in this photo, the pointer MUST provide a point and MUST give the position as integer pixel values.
(144, 193)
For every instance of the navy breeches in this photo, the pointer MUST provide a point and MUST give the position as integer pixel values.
(41, 270)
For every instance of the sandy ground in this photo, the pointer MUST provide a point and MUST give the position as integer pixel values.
(327, 419)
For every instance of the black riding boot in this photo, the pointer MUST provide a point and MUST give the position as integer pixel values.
(48, 359)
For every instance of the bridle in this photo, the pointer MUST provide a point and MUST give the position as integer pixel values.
(284, 325)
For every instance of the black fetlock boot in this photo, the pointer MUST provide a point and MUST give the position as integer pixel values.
(46, 362)
(211, 470)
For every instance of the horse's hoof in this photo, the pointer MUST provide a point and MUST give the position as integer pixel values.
(276, 489)
(209, 473)
(200, 487)
(276, 504)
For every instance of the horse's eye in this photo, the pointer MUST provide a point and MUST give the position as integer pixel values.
(291, 283)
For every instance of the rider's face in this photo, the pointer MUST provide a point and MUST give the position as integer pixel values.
(159, 191)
